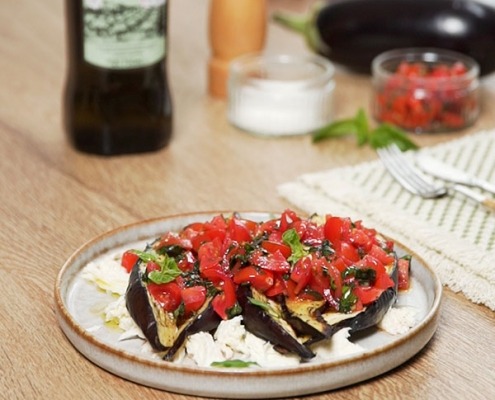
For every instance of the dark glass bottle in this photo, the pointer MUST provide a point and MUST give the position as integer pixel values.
(116, 98)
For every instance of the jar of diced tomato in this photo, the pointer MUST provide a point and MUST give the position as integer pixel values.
(425, 90)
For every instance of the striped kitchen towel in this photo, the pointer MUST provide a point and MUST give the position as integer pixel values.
(454, 235)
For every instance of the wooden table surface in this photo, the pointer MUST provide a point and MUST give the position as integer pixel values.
(53, 199)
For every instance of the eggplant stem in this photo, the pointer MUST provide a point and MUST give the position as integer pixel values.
(297, 23)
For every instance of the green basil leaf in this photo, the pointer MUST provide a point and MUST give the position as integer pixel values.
(292, 239)
(145, 256)
(386, 134)
(383, 135)
(336, 129)
(362, 127)
(169, 270)
(232, 364)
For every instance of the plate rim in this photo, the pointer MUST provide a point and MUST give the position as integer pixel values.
(74, 331)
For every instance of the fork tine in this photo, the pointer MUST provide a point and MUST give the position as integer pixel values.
(407, 175)
(393, 168)
(408, 171)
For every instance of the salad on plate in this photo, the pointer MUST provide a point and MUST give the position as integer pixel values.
(234, 292)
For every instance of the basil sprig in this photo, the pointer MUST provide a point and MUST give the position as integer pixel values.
(381, 136)
(292, 239)
(169, 269)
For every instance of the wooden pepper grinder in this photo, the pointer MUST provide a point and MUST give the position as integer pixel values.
(236, 27)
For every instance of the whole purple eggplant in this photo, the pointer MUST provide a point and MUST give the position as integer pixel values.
(352, 32)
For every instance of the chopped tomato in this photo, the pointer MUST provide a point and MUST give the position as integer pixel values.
(404, 266)
(287, 219)
(367, 294)
(173, 239)
(273, 262)
(210, 255)
(380, 254)
(186, 261)
(238, 231)
(260, 279)
(207, 237)
(437, 105)
(301, 274)
(383, 281)
(333, 230)
(336, 280)
(349, 252)
(129, 259)
(193, 298)
(167, 295)
(272, 246)
(278, 287)
(360, 239)
(268, 227)
(226, 299)
(339, 264)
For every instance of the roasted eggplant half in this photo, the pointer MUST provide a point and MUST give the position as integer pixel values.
(165, 330)
(264, 318)
(372, 314)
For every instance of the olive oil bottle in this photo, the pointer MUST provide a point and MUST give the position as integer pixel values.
(117, 98)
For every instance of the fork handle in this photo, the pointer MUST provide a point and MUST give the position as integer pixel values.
(487, 202)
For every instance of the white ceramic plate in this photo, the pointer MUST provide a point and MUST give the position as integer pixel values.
(77, 300)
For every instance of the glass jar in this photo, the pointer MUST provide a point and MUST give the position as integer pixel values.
(280, 95)
(425, 90)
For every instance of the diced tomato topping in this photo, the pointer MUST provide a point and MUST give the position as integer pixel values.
(167, 295)
(227, 252)
(207, 237)
(273, 262)
(238, 231)
(278, 287)
(129, 259)
(404, 267)
(272, 246)
(260, 279)
(173, 239)
(193, 298)
(333, 229)
(287, 219)
(383, 281)
(349, 252)
(381, 255)
(210, 255)
(226, 299)
(186, 261)
(301, 274)
(367, 294)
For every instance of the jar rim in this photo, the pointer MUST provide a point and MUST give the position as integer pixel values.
(429, 55)
(263, 67)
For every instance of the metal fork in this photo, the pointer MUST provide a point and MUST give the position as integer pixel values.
(413, 180)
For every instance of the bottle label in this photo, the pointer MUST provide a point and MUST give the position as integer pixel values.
(124, 34)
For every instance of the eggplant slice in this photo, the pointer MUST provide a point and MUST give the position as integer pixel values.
(372, 314)
(140, 309)
(165, 331)
(269, 325)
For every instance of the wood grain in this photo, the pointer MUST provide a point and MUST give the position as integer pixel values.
(53, 199)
